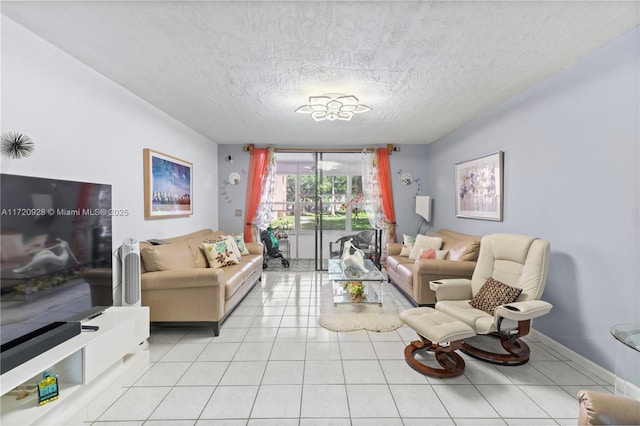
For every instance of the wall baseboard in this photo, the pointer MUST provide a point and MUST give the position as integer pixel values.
(623, 387)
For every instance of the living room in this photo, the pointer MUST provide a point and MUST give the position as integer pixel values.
(572, 162)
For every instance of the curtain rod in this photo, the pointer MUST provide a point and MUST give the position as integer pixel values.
(249, 148)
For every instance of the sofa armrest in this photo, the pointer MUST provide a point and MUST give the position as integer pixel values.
(182, 278)
(255, 248)
(599, 408)
(522, 311)
(452, 289)
(394, 249)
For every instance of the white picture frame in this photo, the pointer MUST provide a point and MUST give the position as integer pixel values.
(479, 187)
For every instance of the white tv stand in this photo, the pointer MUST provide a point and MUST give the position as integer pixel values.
(88, 365)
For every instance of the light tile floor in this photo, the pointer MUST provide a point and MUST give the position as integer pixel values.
(273, 365)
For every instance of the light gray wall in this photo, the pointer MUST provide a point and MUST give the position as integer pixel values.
(87, 128)
(571, 177)
(232, 197)
(412, 159)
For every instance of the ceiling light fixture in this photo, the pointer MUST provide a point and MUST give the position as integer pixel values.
(333, 106)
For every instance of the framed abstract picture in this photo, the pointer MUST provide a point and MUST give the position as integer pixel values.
(479, 186)
(168, 186)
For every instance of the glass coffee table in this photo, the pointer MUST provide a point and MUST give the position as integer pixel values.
(372, 280)
(629, 334)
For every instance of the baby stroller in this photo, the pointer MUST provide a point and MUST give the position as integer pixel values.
(271, 250)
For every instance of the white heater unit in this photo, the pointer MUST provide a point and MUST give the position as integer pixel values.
(423, 207)
(130, 258)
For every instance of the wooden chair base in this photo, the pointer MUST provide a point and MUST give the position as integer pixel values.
(452, 363)
(517, 352)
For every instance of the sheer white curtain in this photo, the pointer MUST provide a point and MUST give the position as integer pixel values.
(371, 189)
(264, 213)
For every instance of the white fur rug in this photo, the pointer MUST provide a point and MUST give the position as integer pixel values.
(357, 316)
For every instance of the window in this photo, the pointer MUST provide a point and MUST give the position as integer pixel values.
(293, 206)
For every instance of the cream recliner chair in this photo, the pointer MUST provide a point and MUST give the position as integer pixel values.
(519, 261)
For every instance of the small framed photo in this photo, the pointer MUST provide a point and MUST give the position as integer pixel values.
(479, 186)
(168, 186)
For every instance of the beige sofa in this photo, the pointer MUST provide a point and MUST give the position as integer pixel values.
(179, 286)
(413, 276)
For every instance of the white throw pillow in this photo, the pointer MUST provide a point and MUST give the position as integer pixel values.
(239, 240)
(231, 243)
(423, 241)
(441, 254)
(220, 253)
(407, 244)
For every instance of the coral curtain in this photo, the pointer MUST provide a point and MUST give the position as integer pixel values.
(386, 195)
(376, 182)
(257, 172)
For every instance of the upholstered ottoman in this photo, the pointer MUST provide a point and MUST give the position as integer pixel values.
(436, 328)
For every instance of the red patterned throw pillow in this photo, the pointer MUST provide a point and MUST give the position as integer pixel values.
(492, 294)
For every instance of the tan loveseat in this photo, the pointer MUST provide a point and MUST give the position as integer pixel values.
(412, 276)
(179, 286)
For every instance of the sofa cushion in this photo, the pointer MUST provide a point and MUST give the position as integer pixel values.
(460, 246)
(220, 253)
(424, 241)
(194, 241)
(394, 261)
(405, 272)
(493, 294)
(479, 320)
(234, 278)
(168, 257)
(198, 235)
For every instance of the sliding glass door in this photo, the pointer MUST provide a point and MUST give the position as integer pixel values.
(340, 205)
(318, 203)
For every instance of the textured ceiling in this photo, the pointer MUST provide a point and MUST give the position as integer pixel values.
(237, 71)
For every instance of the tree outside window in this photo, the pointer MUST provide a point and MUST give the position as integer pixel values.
(343, 206)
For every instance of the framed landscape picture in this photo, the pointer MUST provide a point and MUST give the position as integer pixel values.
(168, 186)
(479, 185)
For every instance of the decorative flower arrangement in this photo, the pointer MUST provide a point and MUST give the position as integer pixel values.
(355, 290)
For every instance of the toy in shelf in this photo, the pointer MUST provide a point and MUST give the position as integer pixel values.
(48, 388)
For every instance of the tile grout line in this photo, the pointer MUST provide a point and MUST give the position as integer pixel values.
(308, 287)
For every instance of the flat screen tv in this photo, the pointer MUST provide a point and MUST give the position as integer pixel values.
(55, 261)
